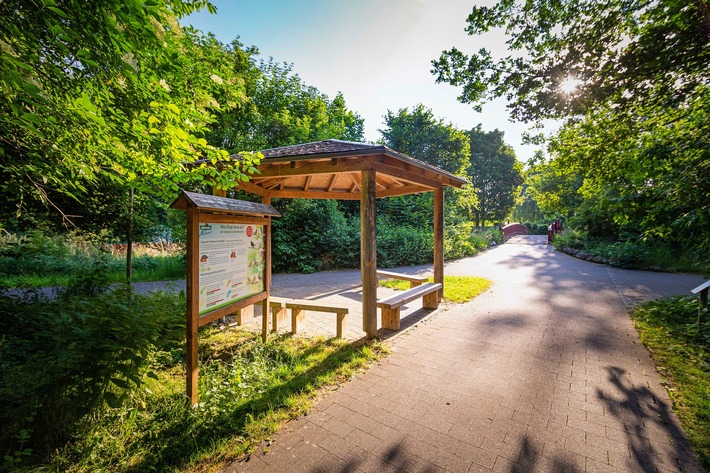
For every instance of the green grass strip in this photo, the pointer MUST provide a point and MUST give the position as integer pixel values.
(247, 389)
(457, 289)
(681, 351)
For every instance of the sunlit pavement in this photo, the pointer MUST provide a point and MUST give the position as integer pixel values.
(544, 372)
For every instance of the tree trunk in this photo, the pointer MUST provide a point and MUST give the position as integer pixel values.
(129, 240)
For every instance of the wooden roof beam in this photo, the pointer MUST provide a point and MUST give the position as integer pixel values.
(402, 190)
(319, 167)
(299, 194)
(332, 182)
(356, 182)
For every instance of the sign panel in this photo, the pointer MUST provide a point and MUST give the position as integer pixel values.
(231, 263)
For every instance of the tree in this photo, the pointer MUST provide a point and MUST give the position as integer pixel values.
(495, 174)
(107, 89)
(280, 110)
(621, 52)
(630, 80)
(419, 134)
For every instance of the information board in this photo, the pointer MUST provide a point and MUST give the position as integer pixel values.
(231, 263)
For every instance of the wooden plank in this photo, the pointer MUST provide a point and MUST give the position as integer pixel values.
(390, 318)
(399, 299)
(193, 301)
(412, 278)
(278, 315)
(229, 309)
(333, 178)
(267, 274)
(704, 285)
(298, 317)
(299, 194)
(404, 190)
(245, 315)
(341, 324)
(316, 308)
(408, 176)
(313, 167)
(356, 181)
(252, 188)
(439, 239)
(368, 253)
(308, 183)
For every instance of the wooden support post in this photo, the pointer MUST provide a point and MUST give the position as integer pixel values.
(245, 315)
(342, 324)
(193, 310)
(368, 253)
(265, 320)
(298, 316)
(267, 277)
(278, 315)
(439, 240)
(702, 302)
(390, 318)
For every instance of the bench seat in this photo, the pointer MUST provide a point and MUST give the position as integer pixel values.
(391, 305)
(298, 315)
(413, 279)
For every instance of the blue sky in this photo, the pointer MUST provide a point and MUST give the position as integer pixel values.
(378, 53)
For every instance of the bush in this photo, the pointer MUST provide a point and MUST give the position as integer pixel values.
(402, 245)
(313, 235)
(570, 238)
(536, 228)
(464, 240)
(64, 359)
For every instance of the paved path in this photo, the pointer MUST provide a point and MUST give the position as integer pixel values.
(544, 372)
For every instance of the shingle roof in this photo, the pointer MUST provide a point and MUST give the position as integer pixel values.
(318, 147)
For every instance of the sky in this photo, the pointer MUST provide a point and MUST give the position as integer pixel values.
(378, 53)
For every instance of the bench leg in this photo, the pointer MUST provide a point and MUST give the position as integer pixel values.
(245, 315)
(278, 318)
(431, 301)
(342, 326)
(390, 318)
(298, 316)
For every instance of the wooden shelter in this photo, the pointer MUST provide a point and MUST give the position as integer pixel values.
(334, 169)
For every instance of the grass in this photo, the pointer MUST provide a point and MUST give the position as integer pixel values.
(457, 289)
(59, 272)
(681, 351)
(248, 389)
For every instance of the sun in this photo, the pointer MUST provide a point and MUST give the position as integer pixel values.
(569, 85)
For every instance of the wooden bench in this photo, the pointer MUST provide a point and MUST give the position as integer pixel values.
(702, 292)
(298, 315)
(391, 305)
(413, 279)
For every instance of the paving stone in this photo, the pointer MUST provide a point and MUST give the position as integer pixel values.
(544, 372)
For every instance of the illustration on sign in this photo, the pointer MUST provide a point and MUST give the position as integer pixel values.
(231, 263)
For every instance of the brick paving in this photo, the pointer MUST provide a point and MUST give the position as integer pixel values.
(544, 372)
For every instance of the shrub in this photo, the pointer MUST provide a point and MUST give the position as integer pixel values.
(64, 359)
(402, 245)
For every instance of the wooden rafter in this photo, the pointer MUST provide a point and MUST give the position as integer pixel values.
(333, 178)
(356, 182)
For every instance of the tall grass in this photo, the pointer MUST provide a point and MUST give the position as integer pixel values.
(40, 260)
(94, 381)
